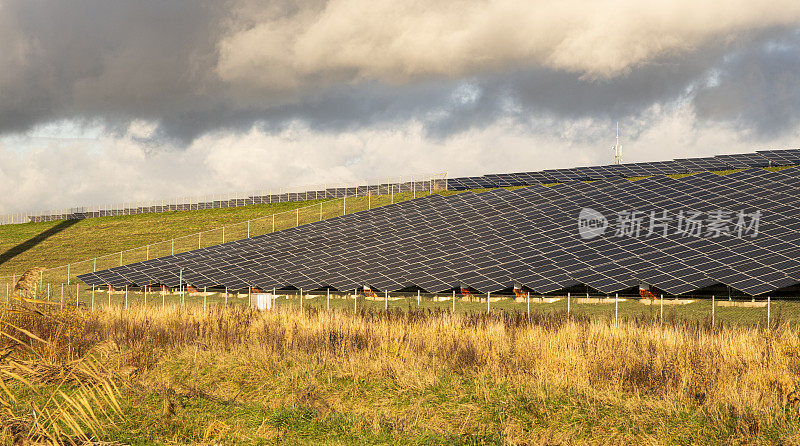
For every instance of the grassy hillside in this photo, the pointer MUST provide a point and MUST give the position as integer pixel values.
(52, 244)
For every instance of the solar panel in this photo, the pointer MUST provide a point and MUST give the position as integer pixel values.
(492, 240)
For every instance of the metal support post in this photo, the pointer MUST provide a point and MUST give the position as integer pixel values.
(454, 302)
(180, 285)
(528, 301)
(488, 301)
(616, 308)
(713, 310)
(661, 316)
(386, 300)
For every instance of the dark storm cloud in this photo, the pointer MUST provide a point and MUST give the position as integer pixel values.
(757, 89)
(186, 66)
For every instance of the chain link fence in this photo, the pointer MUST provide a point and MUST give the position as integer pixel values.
(385, 186)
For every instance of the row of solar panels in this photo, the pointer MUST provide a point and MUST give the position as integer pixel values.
(528, 237)
(762, 158)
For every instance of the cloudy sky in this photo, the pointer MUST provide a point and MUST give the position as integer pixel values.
(106, 101)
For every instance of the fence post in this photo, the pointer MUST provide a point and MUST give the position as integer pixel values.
(488, 300)
(320, 212)
(145, 297)
(418, 297)
(454, 302)
(274, 298)
(109, 297)
(355, 300)
(173, 246)
(199, 234)
(616, 308)
(92, 297)
(120, 258)
(661, 300)
(328, 300)
(248, 228)
(273, 222)
(226, 296)
(369, 200)
(528, 301)
(205, 298)
(301, 301)
(297, 215)
(163, 298)
(713, 305)
(68, 269)
(344, 205)
(386, 300)
(769, 302)
(249, 297)
(126, 297)
(48, 292)
(568, 299)
(414, 187)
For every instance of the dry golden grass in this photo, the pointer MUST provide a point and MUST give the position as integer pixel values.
(419, 376)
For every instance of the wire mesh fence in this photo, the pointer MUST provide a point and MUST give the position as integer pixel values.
(383, 186)
(706, 311)
(316, 211)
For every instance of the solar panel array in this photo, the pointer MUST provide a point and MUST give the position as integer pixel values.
(762, 158)
(527, 237)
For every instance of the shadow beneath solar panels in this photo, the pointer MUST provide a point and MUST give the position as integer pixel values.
(789, 291)
(35, 240)
(718, 290)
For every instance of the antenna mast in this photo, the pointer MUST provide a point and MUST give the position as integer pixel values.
(617, 149)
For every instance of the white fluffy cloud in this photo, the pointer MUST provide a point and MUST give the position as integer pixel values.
(404, 40)
(61, 174)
